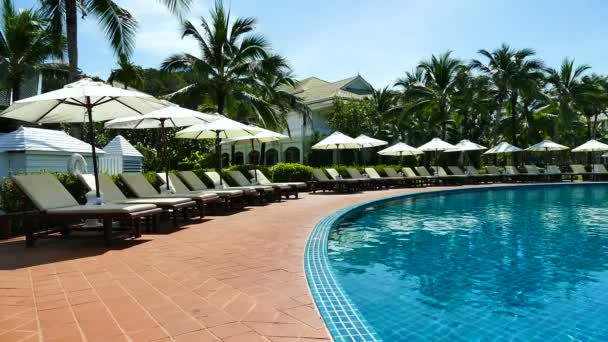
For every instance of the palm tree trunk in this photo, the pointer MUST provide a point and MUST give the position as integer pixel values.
(594, 130)
(262, 154)
(589, 135)
(221, 102)
(16, 89)
(514, 119)
(71, 24)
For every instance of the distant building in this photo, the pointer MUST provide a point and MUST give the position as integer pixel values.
(319, 95)
(126, 155)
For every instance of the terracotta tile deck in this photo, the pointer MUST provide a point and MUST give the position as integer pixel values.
(237, 277)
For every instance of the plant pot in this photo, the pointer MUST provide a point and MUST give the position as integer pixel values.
(6, 231)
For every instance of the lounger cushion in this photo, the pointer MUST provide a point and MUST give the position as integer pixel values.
(111, 192)
(110, 208)
(264, 181)
(45, 191)
(390, 172)
(192, 180)
(320, 176)
(180, 188)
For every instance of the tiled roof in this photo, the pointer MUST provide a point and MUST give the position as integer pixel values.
(43, 140)
(313, 89)
(121, 146)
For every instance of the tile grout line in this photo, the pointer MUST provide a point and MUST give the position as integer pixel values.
(69, 306)
(35, 302)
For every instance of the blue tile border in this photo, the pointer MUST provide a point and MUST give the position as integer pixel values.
(342, 318)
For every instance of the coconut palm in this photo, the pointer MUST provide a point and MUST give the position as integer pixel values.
(117, 23)
(595, 103)
(26, 44)
(128, 74)
(438, 87)
(230, 71)
(512, 72)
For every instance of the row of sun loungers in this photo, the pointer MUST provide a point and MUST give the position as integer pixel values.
(423, 177)
(188, 198)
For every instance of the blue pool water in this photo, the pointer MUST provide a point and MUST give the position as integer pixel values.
(506, 265)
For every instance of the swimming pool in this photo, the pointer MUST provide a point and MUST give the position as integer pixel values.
(510, 264)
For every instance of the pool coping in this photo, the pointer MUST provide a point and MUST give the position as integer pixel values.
(340, 314)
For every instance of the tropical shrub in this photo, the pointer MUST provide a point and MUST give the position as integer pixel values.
(290, 172)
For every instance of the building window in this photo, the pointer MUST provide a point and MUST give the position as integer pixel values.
(254, 157)
(292, 155)
(225, 160)
(272, 157)
(239, 158)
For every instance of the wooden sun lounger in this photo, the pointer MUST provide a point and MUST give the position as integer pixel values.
(140, 187)
(513, 175)
(424, 180)
(453, 179)
(369, 183)
(228, 195)
(599, 172)
(322, 182)
(112, 194)
(555, 171)
(359, 183)
(260, 193)
(175, 183)
(535, 174)
(297, 186)
(57, 206)
(279, 190)
(485, 178)
(394, 181)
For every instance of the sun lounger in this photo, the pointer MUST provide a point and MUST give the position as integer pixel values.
(512, 174)
(56, 204)
(369, 183)
(394, 181)
(484, 178)
(296, 186)
(176, 184)
(452, 179)
(140, 187)
(534, 173)
(322, 182)
(335, 175)
(599, 172)
(196, 184)
(112, 194)
(425, 180)
(241, 180)
(424, 172)
(554, 171)
(258, 192)
(411, 181)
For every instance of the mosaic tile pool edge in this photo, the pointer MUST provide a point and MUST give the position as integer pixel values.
(342, 318)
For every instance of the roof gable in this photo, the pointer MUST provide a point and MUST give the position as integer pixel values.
(313, 89)
(121, 146)
(30, 139)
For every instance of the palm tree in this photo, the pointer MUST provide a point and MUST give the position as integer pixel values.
(230, 70)
(128, 74)
(26, 44)
(595, 103)
(436, 91)
(512, 71)
(117, 23)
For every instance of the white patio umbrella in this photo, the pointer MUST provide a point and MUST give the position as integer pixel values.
(222, 128)
(591, 146)
(83, 101)
(436, 145)
(400, 149)
(263, 136)
(545, 146)
(366, 141)
(171, 116)
(503, 147)
(337, 141)
(464, 146)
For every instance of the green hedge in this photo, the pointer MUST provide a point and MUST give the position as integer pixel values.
(289, 172)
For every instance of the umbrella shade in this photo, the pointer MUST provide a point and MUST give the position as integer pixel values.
(546, 145)
(169, 117)
(263, 136)
(466, 145)
(591, 146)
(400, 149)
(366, 141)
(222, 128)
(337, 141)
(436, 144)
(503, 147)
(83, 101)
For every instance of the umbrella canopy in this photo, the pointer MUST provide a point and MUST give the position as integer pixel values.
(222, 128)
(337, 141)
(83, 101)
(591, 146)
(503, 147)
(546, 145)
(400, 149)
(366, 141)
(605, 155)
(466, 145)
(263, 136)
(435, 145)
(169, 117)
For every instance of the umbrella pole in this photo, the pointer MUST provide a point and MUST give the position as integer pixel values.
(165, 154)
(401, 158)
(255, 169)
(89, 107)
(218, 155)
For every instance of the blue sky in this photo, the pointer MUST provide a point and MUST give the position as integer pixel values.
(377, 39)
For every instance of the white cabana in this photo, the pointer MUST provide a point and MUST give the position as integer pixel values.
(222, 128)
(591, 146)
(546, 146)
(366, 141)
(337, 141)
(503, 147)
(172, 116)
(83, 101)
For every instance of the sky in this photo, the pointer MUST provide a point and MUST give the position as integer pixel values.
(379, 40)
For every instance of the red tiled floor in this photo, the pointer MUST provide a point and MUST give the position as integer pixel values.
(236, 277)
